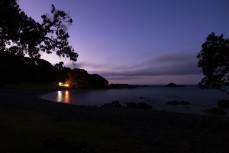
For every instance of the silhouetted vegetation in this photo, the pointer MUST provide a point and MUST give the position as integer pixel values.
(81, 79)
(22, 35)
(10, 68)
(62, 72)
(214, 61)
(18, 69)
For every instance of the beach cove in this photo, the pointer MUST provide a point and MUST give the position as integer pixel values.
(151, 130)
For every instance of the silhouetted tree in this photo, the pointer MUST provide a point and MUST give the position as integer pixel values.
(14, 69)
(59, 66)
(22, 35)
(61, 72)
(81, 79)
(10, 68)
(214, 61)
(98, 81)
(38, 71)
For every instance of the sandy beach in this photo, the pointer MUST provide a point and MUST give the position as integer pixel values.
(160, 131)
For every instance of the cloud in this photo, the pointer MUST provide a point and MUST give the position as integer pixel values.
(168, 64)
(174, 58)
(172, 64)
(86, 65)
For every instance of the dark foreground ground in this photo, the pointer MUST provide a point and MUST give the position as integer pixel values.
(29, 124)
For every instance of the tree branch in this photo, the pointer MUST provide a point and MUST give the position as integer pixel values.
(9, 37)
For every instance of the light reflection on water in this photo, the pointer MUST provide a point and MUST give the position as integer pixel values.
(63, 96)
(156, 96)
(59, 96)
(66, 96)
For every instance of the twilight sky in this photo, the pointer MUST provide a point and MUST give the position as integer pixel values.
(138, 41)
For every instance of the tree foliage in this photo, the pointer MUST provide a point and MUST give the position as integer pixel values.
(81, 79)
(22, 35)
(16, 70)
(214, 61)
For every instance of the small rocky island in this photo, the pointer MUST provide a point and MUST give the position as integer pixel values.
(173, 85)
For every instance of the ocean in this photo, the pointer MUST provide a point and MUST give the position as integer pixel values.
(157, 96)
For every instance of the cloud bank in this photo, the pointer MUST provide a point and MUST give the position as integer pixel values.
(170, 65)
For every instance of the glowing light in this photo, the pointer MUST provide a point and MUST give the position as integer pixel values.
(66, 85)
(63, 84)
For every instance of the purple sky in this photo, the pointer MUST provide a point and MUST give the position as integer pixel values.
(138, 41)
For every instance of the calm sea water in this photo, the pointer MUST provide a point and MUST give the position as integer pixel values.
(157, 96)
